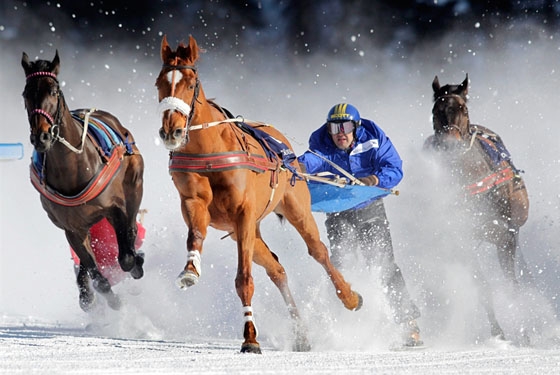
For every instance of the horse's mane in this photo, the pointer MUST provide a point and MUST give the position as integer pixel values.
(223, 110)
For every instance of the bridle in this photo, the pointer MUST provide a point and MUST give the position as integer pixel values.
(173, 103)
(447, 127)
(55, 121)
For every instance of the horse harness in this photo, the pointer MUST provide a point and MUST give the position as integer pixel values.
(500, 160)
(494, 149)
(110, 145)
(224, 161)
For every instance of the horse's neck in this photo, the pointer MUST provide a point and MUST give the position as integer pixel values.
(214, 139)
(65, 169)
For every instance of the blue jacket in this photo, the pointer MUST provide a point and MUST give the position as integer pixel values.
(372, 153)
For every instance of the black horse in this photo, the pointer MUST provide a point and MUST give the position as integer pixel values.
(494, 192)
(86, 167)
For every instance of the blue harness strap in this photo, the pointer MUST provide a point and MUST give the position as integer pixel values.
(105, 136)
(273, 148)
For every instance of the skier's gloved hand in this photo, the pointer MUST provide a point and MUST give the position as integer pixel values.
(371, 180)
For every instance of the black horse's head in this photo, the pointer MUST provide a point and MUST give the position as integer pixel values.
(43, 100)
(461, 89)
(450, 117)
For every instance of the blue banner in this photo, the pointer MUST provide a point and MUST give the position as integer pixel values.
(331, 198)
(11, 151)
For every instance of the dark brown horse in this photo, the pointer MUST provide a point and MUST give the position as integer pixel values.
(83, 176)
(493, 189)
(225, 180)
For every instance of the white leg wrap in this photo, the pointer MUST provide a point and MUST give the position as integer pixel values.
(249, 318)
(194, 256)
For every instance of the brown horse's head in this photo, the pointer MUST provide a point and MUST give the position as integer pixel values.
(450, 117)
(178, 90)
(461, 89)
(42, 97)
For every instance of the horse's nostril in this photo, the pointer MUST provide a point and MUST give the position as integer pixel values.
(44, 137)
(161, 133)
(178, 133)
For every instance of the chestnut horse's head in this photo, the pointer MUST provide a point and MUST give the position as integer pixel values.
(461, 89)
(43, 100)
(178, 90)
(450, 117)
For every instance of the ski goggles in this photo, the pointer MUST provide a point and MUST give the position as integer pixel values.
(340, 127)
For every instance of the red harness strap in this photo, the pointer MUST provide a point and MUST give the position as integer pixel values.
(95, 187)
(487, 183)
(225, 161)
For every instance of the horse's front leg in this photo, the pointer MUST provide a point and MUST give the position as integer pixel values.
(86, 296)
(196, 216)
(126, 231)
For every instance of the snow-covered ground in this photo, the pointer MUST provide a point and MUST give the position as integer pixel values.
(164, 330)
(52, 349)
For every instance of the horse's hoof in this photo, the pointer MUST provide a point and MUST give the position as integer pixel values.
(301, 345)
(251, 348)
(360, 302)
(137, 272)
(186, 279)
(87, 301)
(113, 301)
(127, 262)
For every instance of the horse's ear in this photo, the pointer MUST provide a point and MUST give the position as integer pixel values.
(25, 62)
(56, 63)
(193, 49)
(464, 86)
(166, 51)
(435, 84)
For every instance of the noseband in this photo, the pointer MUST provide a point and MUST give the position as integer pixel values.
(177, 104)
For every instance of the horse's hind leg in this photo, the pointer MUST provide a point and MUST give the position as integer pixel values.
(269, 261)
(488, 304)
(298, 213)
(102, 285)
(507, 247)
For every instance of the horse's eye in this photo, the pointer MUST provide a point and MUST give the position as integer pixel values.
(191, 87)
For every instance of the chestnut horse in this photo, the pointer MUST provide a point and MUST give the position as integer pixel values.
(225, 180)
(494, 191)
(86, 167)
